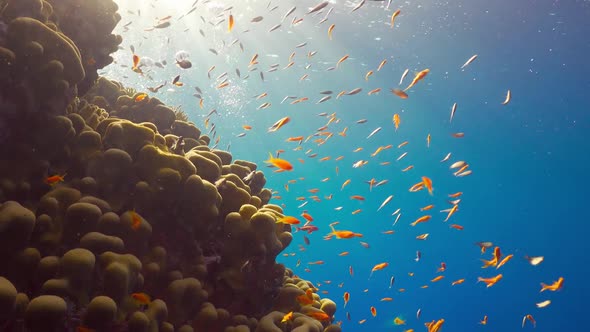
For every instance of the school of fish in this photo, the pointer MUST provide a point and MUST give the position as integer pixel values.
(231, 27)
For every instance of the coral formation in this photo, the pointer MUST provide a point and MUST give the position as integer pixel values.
(115, 213)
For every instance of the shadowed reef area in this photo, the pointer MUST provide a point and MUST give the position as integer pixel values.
(115, 214)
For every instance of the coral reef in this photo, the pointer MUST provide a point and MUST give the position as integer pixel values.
(115, 213)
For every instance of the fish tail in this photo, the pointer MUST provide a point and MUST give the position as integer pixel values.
(544, 287)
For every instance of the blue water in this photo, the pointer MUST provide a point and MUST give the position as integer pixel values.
(529, 158)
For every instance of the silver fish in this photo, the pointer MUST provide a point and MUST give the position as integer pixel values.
(289, 12)
(274, 28)
(354, 91)
(358, 6)
(318, 7)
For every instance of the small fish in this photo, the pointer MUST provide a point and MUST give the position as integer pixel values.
(393, 16)
(274, 28)
(469, 61)
(446, 157)
(256, 19)
(354, 91)
(323, 99)
(342, 59)
(453, 110)
(387, 200)
(317, 7)
(289, 12)
(54, 179)
(404, 76)
(141, 298)
(330, 29)
(530, 319)
(399, 93)
(508, 97)
(230, 23)
(419, 76)
(358, 6)
(374, 132)
(535, 260)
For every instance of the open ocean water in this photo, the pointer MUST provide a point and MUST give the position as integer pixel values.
(529, 158)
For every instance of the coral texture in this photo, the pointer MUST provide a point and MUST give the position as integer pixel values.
(117, 215)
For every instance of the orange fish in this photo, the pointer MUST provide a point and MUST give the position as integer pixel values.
(54, 179)
(344, 253)
(140, 97)
(342, 59)
(419, 76)
(141, 298)
(316, 263)
(305, 299)
(319, 315)
(458, 227)
(427, 207)
(346, 297)
(399, 321)
(457, 282)
(357, 197)
(378, 267)
(330, 29)
(287, 317)
(277, 125)
(428, 184)
(530, 319)
(374, 91)
(288, 220)
(295, 139)
(230, 23)
(421, 220)
(452, 211)
(504, 261)
(373, 311)
(386, 299)
(253, 60)
(279, 163)
(396, 121)
(393, 16)
(494, 261)
(344, 234)
(307, 216)
(484, 321)
(135, 220)
(437, 278)
(555, 286)
(490, 281)
(135, 61)
(422, 236)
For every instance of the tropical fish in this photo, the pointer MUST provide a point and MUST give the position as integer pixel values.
(469, 61)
